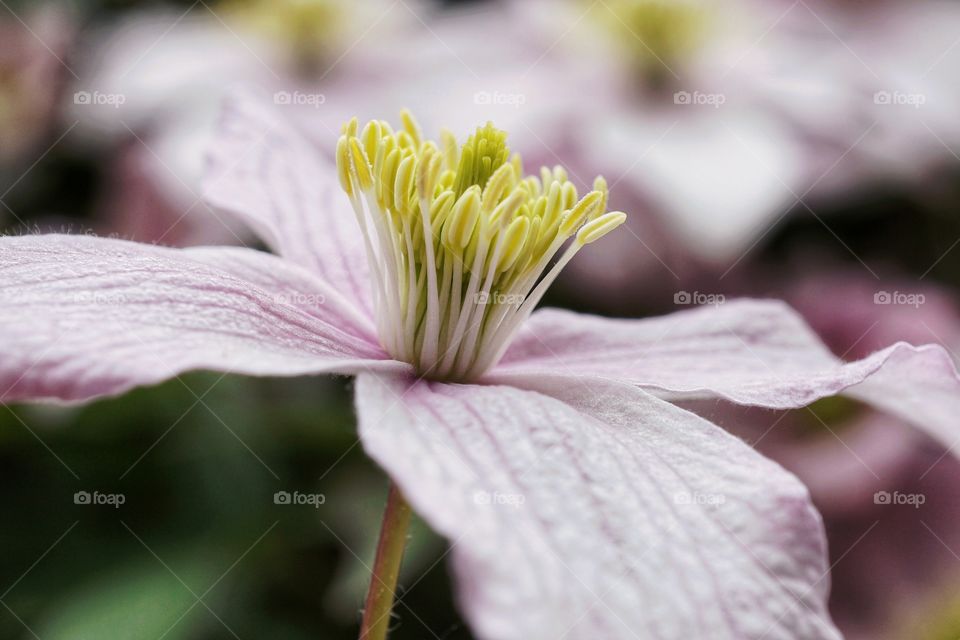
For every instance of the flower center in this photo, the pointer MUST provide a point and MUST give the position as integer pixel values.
(307, 29)
(459, 241)
(658, 34)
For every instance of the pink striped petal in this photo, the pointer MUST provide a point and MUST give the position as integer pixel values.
(600, 512)
(83, 317)
(750, 352)
(265, 172)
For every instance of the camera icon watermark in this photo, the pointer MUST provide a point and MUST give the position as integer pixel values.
(899, 98)
(916, 500)
(899, 298)
(485, 297)
(496, 498)
(299, 499)
(300, 299)
(96, 98)
(685, 298)
(299, 99)
(699, 498)
(497, 98)
(95, 498)
(98, 298)
(699, 98)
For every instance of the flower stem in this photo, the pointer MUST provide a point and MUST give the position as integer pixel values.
(386, 567)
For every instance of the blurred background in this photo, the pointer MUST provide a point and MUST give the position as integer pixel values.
(803, 150)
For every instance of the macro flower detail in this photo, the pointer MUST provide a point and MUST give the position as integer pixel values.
(571, 436)
(306, 28)
(459, 239)
(657, 35)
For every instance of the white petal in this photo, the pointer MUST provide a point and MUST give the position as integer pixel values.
(750, 352)
(83, 317)
(718, 180)
(602, 512)
(265, 172)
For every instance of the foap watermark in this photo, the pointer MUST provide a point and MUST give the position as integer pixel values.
(699, 98)
(899, 298)
(99, 298)
(299, 99)
(698, 298)
(498, 98)
(915, 500)
(298, 499)
(97, 98)
(899, 99)
(300, 299)
(485, 297)
(497, 498)
(97, 499)
(699, 498)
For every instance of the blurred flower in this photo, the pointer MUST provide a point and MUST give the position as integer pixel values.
(853, 459)
(142, 200)
(721, 117)
(856, 313)
(32, 70)
(562, 473)
(677, 120)
(155, 81)
(904, 57)
(913, 594)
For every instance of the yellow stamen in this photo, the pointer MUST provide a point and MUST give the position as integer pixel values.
(459, 240)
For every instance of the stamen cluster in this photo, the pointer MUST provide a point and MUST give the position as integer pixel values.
(458, 239)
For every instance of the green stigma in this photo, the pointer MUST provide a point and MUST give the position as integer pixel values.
(459, 240)
(658, 34)
(9, 92)
(484, 152)
(936, 619)
(826, 416)
(308, 29)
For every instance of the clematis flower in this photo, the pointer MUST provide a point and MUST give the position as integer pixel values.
(32, 73)
(579, 501)
(910, 593)
(881, 588)
(849, 455)
(719, 118)
(156, 79)
(906, 92)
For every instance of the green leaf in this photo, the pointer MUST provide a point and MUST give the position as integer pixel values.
(142, 601)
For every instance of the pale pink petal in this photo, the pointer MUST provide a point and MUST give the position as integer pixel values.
(264, 171)
(600, 512)
(734, 338)
(82, 317)
(749, 351)
(917, 384)
(716, 181)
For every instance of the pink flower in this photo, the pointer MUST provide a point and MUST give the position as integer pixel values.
(32, 72)
(579, 501)
(852, 458)
(155, 79)
(720, 118)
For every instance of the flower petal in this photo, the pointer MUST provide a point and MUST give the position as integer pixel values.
(82, 317)
(747, 170)
(750, 352)
(601, 512)
(265, 172)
